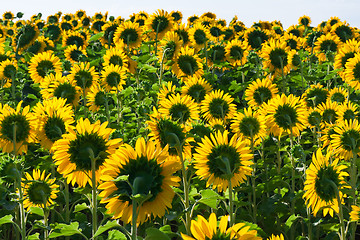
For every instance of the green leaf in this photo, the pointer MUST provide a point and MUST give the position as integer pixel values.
(290, 221)
(116, 235)
(96, 36)
(65, 230)
(121, 178)
(6, 219)
(209, 198)
(37, 211)
(35, 236)
(153, 233)
(80, 207)
(167, 230)
(106, 227)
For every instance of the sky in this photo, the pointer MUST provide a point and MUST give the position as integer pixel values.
(286, 11)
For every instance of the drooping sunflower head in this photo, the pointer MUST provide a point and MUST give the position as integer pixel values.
(338, 94)
(313, 118)
(74, 38)
(345, 142)
(43, 64)
(8, 69)
(218, 105)
(355, 213)
(39, 190)
(182, 31)
(130, 33)
(177, 16)
(170, 46)
(348, 111)
(53, 32)
(343, 31)
(187, 64)
(305, 20)
(76, 152)
(198, 35)
(203, 229)
(315, 95)
(323, 180)
(84, 75)
(236, 52)
(17, 127)
(329, 112)
(352, 71)
(196, 88)
(96, 97)
(116, 56)
(113, 78)
(216, 54)
(260, 91)
(75, 54)
(159, 23)
(25, 36)
(219, 160)
(54, 118)
(150, 176)
(109, 33)
(326, 45)
(256, 37)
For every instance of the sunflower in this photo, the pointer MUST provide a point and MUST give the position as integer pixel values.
(354, 214)
(80, 13)
(236, 52)
(180, 108)
(297, 30)
(51, 19)
(260, 91)
(313, 118)
(315, 95)
(348, 111)
(196, 88)
(170, 47)
(218, 105)
(8, 15)
(61, 87)
(159, 23)
(338, 94)
(344, 31)
(352, 72)
(116, 56)
(97, 24)
(8, 69)
(166, 90)
(74, 54)
(345, 142)
(150, 174)
(346, 52)
(198, 35)
(43, 64)
(53, 32)
(305, 20)
(84, 75)
(18, 124)
(74, 38)
(326, 133)
(183, 32)
(256, 37)
(321, 177)
(130, 33)
(326, 44)
(285, 114)
(25, 36)
(216, 54)
(192, 20)
(276, 237)
(54, 118)
(275, 54)
(113, 78)
(216, 32)
(329, 113)
(292, 41)
(75, 151)
(96, 97)
(177, 16)
(164, 131)
(109, 33)
(249, 125)
(215, 154)
(217, 125)
(38, 46)
(203, 229)
(39, 190)
(85, 22)
(66, 25)
(187, 64)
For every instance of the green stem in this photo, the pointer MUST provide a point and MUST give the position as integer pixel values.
(353, 180)
(22, 211)
(253, 181)
(206, 57)
(84, 101)
(107, 110)
(309, 223)
(186, 191)
(292, 190)
(67, 202)
(94, 195)
(341, 215)
(134, 220)
(231, 204)
(46, 215)
(279, 163)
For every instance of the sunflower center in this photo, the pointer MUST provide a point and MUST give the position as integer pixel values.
(129, 35)
(35, 47)
(171, 47)
(54, 128)
(338, 97)
(236, 52)
(187, 64)
(222, 159)
(249, 126)
(16, 122)
(356, 71)
(170, 133)
(184, 36)
(346, 57)
(316, 96)
(217, 53)
(218, 108)
(109, 33)
(323, 187)
(286, 116)
(100, 98)
(98, 25)
(344, 33)
(197, 92)
(75, 55)
(349, 115)
(26, 36)
(113, 79)
(9, 71)
(215, 31)
(350, 140)
(278, 58)
(179, 112)
(53, 32)
(200, 36)
(328, 46)
(83, 79)
(291, 43)
(44, 67)
(65, 91)
(66, 26)
(329, 116)
(261, 95)
(39, 192)
(314, 118)
(116, 60)
(256, 38)
(160, 23)
(144, 176)
(84, 148)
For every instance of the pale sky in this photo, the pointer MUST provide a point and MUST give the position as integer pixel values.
(249, 11)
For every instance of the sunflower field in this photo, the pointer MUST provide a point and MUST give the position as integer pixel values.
(158, 127)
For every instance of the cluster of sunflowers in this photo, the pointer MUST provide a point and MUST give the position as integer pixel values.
(200, 130)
